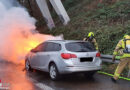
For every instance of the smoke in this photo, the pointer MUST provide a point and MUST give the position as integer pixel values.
(17, 31)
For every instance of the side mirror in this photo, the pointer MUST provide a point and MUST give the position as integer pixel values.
(34, 51)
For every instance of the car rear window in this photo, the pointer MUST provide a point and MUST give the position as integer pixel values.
(80, 47)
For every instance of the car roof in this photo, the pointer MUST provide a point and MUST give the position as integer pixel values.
(58, 41)
(64, 41)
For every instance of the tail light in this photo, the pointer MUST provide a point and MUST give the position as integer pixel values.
(98, 55)
(68, 55)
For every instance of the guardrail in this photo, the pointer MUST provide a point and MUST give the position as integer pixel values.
(108, 58)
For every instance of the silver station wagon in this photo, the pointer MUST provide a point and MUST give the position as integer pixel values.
(60, 57)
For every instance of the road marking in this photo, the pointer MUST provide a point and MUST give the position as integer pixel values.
(41, 85)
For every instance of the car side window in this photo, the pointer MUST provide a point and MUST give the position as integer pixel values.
(57, 47)
(40, 47)
(37, 49)
(53, 47)
(44, 46)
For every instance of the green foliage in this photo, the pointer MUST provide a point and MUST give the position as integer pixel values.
(109, 22)
(117, 11)
(70, 3)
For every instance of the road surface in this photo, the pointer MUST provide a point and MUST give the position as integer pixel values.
(18, 79)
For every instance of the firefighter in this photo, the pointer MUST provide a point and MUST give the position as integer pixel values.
(122, 49)
(90, 38)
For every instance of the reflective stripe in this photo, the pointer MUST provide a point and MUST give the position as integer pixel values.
(125, 55)
(123, 44)
(118, 57)
(96, 45)
(119, 45)
(116, 74)
(115, 53)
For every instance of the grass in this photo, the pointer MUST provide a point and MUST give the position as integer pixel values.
(109, 22)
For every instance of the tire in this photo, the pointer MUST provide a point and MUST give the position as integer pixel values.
(89, 74)
(53, 72)
(27, 66)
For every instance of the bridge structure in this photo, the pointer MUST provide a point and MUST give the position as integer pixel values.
(46, 14)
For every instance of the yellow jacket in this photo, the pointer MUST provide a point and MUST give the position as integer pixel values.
(120, 47)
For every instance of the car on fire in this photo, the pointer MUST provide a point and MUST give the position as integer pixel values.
(60, 57)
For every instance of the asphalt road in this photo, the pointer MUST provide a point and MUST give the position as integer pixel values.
(18, 79)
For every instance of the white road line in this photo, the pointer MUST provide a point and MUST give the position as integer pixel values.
(41, 85)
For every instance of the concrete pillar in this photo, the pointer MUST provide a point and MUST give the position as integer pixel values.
(60, 10)
(42, 4)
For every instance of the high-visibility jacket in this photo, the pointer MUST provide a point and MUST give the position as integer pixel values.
(93, 42)
(121, 46)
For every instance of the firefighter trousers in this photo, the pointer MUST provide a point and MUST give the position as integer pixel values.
(121, 66)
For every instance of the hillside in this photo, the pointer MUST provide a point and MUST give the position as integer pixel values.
(108, 20)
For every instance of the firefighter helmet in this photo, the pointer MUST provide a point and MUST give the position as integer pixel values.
(91, 34)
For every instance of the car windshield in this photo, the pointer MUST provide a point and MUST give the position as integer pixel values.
(80, 47)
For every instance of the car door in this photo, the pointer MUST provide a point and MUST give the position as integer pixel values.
(44, 57)
(35, 56)
(48, 51)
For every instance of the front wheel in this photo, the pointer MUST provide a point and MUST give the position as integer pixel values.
(53, 71)
(27, 66)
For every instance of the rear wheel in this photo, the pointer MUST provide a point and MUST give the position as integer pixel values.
(27, 66)
(53, 71)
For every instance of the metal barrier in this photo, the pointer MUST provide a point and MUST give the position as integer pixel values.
(108, 58)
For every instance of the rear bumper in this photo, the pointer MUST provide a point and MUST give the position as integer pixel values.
(68, 70)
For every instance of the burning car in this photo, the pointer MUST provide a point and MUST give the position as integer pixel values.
(60, 57)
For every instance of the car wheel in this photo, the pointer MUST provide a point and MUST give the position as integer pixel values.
(53, 71)
(27, 66)
(89, 74)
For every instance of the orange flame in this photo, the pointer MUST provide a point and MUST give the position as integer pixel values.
(16, 35)
(20, 44)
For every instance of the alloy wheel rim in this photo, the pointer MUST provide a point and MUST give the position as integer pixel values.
(53, 71)
(27, 65)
